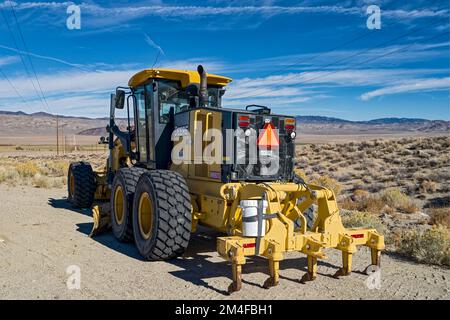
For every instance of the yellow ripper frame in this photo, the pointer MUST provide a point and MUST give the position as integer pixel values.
(284, 207)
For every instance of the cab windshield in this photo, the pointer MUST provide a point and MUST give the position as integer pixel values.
(171, 98)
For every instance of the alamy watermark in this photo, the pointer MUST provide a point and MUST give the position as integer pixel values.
(373, 281)
(374, 19)
(73, 21)
(243, 147)
(74, 279)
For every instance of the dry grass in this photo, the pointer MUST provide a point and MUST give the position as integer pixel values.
(363, 220)
(27, 170)
(41, 171)
(387, 184)
(395, 198)
(440, 216)
(370, 203)
(8, 174)
(431, 246)
(422, 162)
(328, 182)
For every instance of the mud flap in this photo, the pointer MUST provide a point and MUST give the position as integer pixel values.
(101, 216)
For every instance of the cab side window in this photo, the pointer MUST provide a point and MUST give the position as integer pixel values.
(171, 99)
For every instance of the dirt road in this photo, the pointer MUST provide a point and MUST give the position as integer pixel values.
(40, 236)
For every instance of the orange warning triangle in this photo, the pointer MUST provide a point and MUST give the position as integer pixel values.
(268, 137)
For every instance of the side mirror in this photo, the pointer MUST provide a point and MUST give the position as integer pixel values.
(119, 102)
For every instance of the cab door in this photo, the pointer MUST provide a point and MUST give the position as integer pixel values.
(144, 128)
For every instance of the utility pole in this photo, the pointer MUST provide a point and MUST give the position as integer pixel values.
(74, 143)
(63, 140)
(57, 136)
(63, 136)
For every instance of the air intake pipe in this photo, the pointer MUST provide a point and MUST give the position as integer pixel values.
(203, 92)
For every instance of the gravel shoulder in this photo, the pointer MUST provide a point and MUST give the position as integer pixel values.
(40, 236)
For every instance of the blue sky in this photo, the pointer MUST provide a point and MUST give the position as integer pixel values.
(298, 57)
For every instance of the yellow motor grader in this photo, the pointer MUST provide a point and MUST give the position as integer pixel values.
(184, 161)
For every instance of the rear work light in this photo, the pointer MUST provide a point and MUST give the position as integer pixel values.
(289, 124)
(243, 121)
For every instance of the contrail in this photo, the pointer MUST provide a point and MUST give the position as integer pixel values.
(154, 45)
(78, 66)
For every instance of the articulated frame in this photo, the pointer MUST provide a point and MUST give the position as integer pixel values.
(287, 201)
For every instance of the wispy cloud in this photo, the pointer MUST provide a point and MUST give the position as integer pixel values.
(81, 92)
(293, 88)
(422, 85)
(8, 60)
(339, 59)
(103, 16)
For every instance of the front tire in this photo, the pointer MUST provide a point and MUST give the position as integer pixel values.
(162, 216)
(122, 193)
(81, 184)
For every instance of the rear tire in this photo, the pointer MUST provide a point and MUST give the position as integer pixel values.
(81, 184)
(122, 193)
(162, 216)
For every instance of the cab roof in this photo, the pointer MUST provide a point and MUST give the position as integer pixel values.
(184, 76)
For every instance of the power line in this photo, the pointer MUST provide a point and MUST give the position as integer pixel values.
(15, 89)
(263, 90)
(363, 35)
(375, 58)
(28, 55)
(20, 54)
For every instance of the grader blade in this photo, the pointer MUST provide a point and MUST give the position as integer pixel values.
(101, 216)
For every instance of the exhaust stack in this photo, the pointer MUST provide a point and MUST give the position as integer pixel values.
(203, 92)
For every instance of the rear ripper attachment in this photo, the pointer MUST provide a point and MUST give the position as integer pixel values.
(267, 229)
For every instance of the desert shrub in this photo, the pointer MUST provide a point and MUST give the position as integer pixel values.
(319, 168)
(410, 188)
(329, 183)
(428, 186)
(348, 204)
(58, 168)
(373, 204)
(59, 182)
(19, 148)
(367, 179)
(360, 194)
(394, 197)
(409, 207)
(431, 246)
(364, 220)
(28, 169)
(440, 216)
(405, 152)
(41, 181)
(345, 176)
(364, 201)
(376, 187)
(8, 174)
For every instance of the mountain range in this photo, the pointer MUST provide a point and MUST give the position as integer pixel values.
(42, 123)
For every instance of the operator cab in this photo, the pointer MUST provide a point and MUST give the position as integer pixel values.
(165, 100)
(159, 94)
